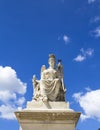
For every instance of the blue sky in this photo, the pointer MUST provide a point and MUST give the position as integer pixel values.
(32, 29)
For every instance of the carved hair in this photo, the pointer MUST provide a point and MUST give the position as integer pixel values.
(52, 57)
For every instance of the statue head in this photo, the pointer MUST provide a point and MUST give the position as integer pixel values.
(52, 60)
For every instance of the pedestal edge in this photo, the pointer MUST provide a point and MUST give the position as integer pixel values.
(47, 115)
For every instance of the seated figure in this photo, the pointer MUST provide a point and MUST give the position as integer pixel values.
(50, 86)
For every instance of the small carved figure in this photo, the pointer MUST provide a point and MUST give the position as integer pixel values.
(60, 74)
(61, 95)
(36, 88)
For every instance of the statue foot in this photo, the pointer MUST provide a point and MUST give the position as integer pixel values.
(45, 99)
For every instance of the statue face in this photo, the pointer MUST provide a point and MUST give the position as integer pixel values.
(52, 62)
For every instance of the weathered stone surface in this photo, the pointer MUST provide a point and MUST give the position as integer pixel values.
(47, 115)
(32, 105)
(47, 119)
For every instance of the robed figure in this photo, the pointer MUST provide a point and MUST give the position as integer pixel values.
(50, 86)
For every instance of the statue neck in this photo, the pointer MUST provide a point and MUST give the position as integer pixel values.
(51, 67)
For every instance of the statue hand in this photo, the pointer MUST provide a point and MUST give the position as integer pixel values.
(34, 78)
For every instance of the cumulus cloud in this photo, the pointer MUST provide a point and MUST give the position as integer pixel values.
(79, 58)
(90, 103)
(12, 91)
(84, 54)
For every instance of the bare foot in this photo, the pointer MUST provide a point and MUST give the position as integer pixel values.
(45, 99)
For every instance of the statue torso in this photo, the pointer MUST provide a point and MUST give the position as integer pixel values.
(49, 74)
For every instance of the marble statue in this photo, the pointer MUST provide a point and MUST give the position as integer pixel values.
(48, 109)
(51, 86)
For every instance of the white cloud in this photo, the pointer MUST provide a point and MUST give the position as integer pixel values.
(91, 1)
(90, 103)
(7, 112)
(96, 32)
(66, 39)
(6, 95)
(79, 58)
(20, 101)
(89, 52)
(12, 90)
(84, 54)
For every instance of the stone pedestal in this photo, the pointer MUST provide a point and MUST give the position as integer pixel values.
(50, 116)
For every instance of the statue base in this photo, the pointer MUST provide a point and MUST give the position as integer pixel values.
(47, 119)
(47, 116)
(32, 105)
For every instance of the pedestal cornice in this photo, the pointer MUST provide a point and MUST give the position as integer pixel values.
(52, 115)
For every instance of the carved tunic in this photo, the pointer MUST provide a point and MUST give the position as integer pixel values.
(50, 84)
